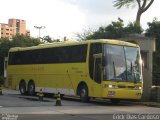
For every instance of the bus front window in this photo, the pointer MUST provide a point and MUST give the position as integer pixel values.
(122, 63)
(133, 62)
(115, 59)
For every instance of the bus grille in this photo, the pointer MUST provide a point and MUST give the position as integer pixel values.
(122, 86)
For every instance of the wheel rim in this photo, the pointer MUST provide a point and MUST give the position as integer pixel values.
(22, 89)
(83, 93)
(31, 89)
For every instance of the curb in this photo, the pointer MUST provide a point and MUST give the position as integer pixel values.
(150, 104)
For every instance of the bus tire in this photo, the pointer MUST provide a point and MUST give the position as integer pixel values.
(84, 93)
(31, 88)
(22, 87)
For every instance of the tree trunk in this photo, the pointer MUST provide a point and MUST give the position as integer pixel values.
(142, 8)
(138, 18)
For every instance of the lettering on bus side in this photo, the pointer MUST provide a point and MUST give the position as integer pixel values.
(76, 70)
(37, 68)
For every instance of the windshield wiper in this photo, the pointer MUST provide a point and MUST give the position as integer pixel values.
(131, 67)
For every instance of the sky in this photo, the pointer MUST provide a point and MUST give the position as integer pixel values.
(68, 17)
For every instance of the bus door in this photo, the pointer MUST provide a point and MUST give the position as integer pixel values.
(97, 75)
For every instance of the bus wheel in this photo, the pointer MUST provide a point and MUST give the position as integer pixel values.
(115, 101)
(31, 88)
(22, 87)
(84, 93)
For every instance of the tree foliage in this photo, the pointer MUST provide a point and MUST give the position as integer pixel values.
(86, 32)
(120, 3)
(132, 28)
(154, 29)
(114, 30)
(48, 39)
(17, 41)
(143, 6)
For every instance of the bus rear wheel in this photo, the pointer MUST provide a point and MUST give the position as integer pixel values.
(84, 93)
(22, 88)
(31, 88)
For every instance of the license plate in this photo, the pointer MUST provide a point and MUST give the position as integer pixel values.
(111, 93)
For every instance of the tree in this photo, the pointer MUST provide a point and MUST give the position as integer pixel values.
(132, 28)
(154, 29)
(143, 6)
(85, 34)
(114, 30)
(47, 39)
(24, 41)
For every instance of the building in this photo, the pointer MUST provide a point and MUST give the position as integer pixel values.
(14, 26)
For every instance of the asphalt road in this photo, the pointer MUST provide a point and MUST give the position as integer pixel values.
(13, 105)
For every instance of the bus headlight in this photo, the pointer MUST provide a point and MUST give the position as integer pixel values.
(110, 86)
(138, 87)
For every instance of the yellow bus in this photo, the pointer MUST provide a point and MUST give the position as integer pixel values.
(90, 69)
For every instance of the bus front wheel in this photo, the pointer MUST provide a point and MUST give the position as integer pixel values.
(84, 94)
(31, 88)
(22, 87)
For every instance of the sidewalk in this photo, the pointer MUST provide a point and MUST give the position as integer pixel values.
(151, 104)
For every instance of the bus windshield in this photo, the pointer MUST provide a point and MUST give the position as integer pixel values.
(123, 63)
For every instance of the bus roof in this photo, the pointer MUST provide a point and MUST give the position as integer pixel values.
(69, 43)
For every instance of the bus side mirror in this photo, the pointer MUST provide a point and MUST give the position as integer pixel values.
(142, 63)
(103, 62)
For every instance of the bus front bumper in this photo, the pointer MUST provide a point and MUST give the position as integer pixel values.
(122, 94)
